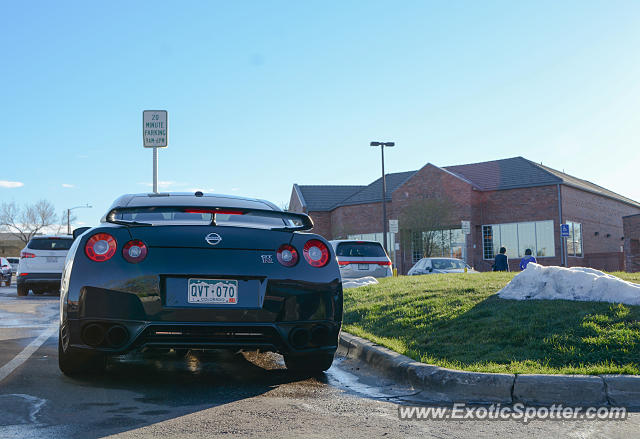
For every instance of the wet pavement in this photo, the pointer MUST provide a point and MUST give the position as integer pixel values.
(207, 394)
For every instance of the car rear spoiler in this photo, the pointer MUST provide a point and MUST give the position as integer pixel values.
(297, 221)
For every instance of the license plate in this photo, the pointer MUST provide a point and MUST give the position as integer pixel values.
(216, 291)
(52, 259)
(363, 266)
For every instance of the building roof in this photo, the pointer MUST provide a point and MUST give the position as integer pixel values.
(324, 198)
(516, 172)
(373, 192)
(511, 173)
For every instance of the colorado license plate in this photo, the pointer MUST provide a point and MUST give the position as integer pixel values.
(363, 266)
(216, 291)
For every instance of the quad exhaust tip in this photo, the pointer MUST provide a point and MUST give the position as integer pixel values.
(300, 337)
(94, 335)
(117, 335)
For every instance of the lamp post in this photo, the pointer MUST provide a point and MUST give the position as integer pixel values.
(69, 216)
(384, 193)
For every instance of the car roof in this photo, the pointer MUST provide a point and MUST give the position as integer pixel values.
(338, 241)
(442, 257)
(170, 199)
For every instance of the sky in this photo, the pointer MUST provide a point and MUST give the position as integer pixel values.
(262, 95)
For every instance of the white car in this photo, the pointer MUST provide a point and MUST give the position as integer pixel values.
(361, 258)
(5, 271)
(41, 264)
(440, 265)
(14, 264)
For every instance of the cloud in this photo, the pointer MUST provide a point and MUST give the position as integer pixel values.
(162, 184)
(205, 190)
(67, 185)
(235, 189)
(10, 184)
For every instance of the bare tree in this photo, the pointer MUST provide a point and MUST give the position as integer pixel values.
(26, 221)
(62, 223)
(422, 219)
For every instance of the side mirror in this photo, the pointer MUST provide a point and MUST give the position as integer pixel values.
(79, 231)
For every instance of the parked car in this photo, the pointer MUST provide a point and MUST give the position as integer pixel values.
(440, 265)
(182, 271)
(41, 264)
(5, 271)
(14, 264)
(361, 258)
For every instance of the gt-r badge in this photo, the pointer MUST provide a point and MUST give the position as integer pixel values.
(267, 259)
(213, 238)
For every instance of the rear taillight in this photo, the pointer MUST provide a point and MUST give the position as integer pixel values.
(100, 247)
(316, 253)
(287, 255)
(27, 255)
(134, 251)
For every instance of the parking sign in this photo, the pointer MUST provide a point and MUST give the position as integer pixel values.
(564, 230)
(155, 131)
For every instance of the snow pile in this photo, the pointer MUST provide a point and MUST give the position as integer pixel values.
(576, 283)
(360, 282)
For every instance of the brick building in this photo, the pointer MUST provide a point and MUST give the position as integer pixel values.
(513, 202)
(631, 227)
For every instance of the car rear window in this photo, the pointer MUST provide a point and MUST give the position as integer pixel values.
(171, 217)
(447, 264)
(50, 243)
(360, 250)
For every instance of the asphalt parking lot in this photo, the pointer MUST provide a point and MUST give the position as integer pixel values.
(214, 393)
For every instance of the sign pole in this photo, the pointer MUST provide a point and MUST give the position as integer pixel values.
(155, 170)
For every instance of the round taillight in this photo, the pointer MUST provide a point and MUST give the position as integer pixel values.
(287, 255)
(316, 253)
(101, 247)
(134, 251)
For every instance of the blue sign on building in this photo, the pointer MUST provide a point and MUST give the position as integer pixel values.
(564, 230)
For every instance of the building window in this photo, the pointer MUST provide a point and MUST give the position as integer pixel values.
(574, 241)
(444, 243)
(517, 238)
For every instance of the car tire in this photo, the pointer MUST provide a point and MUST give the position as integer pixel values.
(310, 363)
(22, 290)
(74, 362)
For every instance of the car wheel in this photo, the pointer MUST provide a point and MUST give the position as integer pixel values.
(310, 363)
(73, 362)
(22, 290)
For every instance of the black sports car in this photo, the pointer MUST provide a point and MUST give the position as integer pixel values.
(197, 271)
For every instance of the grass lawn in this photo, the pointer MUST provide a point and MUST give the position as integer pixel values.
(457, 321)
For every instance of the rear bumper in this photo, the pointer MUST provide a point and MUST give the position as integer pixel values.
(39, 279)
(283, 337)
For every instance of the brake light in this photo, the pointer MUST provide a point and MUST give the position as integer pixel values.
(316, 253)
(214, 211)
(100, 247)
(27, 255)
(287, 255)
(134, 251)
(364, 262)
(24, 274)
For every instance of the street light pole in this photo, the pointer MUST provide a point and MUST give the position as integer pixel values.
(69, 216)
(384, 193)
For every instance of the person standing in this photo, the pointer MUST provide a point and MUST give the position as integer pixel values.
(527, 258)
(501, 262)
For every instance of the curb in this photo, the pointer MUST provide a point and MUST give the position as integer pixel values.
(438, 384)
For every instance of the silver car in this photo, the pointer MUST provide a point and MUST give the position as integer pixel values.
(361, 258)
(440, 265)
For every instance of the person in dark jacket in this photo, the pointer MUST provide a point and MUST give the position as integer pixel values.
(527, 258)
(502, 262)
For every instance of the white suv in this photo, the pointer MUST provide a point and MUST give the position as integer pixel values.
(361, 258)
(41, 264)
